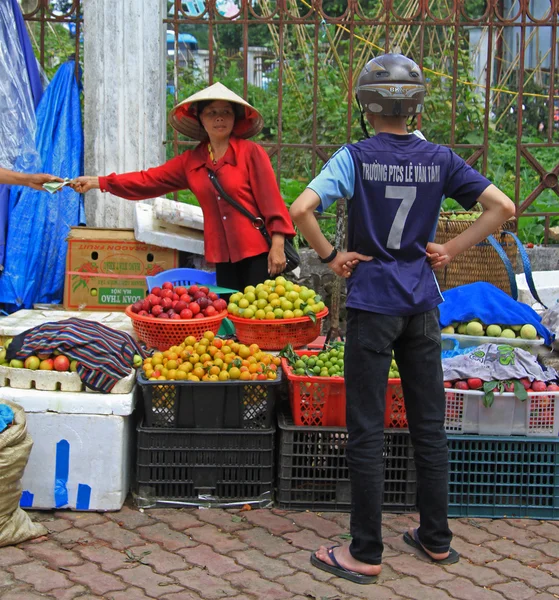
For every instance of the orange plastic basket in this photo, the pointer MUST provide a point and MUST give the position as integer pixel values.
(271, 334)
(164, 333)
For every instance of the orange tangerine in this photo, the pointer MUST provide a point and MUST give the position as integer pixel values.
(245, 376)
(234, 373)
(223, 376)
(193, 377)
(209, 335)
(190, 340)
(199, 372)
(215, 370)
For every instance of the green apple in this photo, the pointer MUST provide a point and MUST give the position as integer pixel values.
(474, 328)
(448, 329)
(74, 366)
(32, 362)
(137, 361)
(528, 332)
(508, 333)
(493, 331)
(16, 364)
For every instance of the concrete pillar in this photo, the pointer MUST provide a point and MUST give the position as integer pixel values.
(124, 97)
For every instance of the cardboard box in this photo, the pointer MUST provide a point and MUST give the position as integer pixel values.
(106, 268)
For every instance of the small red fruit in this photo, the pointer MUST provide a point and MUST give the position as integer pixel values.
(180, 306)
(61, 363)
(461, 385)
(186, 313)
(193, 289)
(194, 307)
(166, 303)
(210, 311)
(146, 305)
(143, 313)
(180, 290)
(153, 300)
(175, 316)
(46, 365)
(156, 291)
(167, 285)
(163, 315)
(199, 316)
(213, 296)
(174, 303)
(448, 384)
(175, 296)
(186, 298)
(474, 383)
(205, 289)
(509, 387)
(167, 294)
(539, 386)
(526, 383)
(157, 310)
(552, 387)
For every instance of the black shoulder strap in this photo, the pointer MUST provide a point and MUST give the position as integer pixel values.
(225, 196)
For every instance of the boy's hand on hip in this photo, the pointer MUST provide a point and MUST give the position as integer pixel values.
(437, 255)
(345, 263)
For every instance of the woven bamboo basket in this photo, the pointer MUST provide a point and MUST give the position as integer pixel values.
(480, 263)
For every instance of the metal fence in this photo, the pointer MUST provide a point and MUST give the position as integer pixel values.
(491, 65)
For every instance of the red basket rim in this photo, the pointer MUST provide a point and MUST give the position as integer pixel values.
(304, 319)
(171, 322)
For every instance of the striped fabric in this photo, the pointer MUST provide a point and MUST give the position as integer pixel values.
(104, 355)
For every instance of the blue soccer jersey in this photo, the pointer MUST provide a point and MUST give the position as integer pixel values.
(394, 185)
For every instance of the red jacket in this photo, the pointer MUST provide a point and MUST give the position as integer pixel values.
(245, 173)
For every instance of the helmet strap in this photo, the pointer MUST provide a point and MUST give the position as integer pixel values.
(362, 119)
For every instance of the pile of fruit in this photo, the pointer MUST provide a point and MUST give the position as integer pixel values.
(211, 358)
(275, 299)
(512, 385)
(328, 363)
(477, 328)
(460, 216)
(170, 302)
(394, 373)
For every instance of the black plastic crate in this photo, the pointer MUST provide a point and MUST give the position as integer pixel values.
(204, 465)
(220, 404)
(313, 474)
(504, 477)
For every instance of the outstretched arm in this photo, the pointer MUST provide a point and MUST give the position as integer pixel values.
(32, 180)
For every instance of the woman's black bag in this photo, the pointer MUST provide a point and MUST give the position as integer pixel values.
(292, 258)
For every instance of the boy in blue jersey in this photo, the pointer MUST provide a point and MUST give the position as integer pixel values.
(394, 183)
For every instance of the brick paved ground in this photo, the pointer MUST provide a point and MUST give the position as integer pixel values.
(190, 554)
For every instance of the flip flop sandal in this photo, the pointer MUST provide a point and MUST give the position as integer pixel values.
(414, 542)
(339, 571)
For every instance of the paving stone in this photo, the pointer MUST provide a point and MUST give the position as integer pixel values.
(544, 596)
(307, 539)
(96, 580)
(304, 584)
(70, 593)
(547, 530)
(22, 593)
(72, 537)
(262, 540)
(109, 559)
(153, 584)
(409, 587)
(204, 556)
(514, 590)
(161, 560)
(180, 519)
(54, 554)
(549, 548)
(480, 575)
(218, 540)
(11, 555)
(342, 519)
(41, 578)
(223, 519)
(6, 579)
(426, 572)
(464, 589)
(470, 531)
(516, 570)
(528, 556)
(376, 591)
(185, 595)
(520, 534)
(322, 527)
(131, 593)
(275, 524)
(479, 555)
(552, 568)
(161, 533)
(267, 567)
(130, 517)
(57, 525)
(208, 586)
(118, 537)
(260, 588)
(82, 519)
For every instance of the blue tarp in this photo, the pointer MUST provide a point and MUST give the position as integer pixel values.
(39, 223)
(20, 92)
(488, 303)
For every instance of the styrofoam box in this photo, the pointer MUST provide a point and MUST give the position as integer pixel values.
(537, 416)
(82, 451)
(547, 286)
(56, 381)
(22, 320)
(472, 341)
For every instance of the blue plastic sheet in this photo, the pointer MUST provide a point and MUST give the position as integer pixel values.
(6, 416)
(39, 223)
(489, 304)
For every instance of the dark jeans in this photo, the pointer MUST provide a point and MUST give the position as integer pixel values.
(416, 342)
(237, 275)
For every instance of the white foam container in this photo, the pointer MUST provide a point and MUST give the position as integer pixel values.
(547, 287)
(97, 429)
(537, 416)
(52, 381)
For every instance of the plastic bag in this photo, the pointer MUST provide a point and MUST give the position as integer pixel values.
(496, 362)
(15, 448)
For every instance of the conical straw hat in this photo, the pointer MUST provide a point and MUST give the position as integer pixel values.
(184, 117)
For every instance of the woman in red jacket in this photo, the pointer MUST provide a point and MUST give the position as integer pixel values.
(222, 121)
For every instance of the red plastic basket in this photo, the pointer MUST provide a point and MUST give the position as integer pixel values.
(164, 333)
(315, 400)
(271, 334)
(321, 401)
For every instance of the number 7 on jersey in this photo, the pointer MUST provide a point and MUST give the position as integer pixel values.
(407, 195)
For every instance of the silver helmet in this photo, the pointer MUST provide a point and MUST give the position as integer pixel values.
(392, 85)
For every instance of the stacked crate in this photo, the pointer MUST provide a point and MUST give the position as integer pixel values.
(206, 443)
